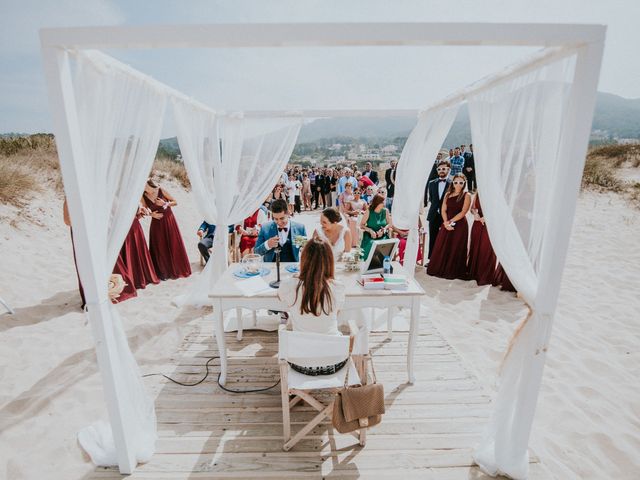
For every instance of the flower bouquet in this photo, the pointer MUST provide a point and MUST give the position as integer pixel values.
(300, 241)
(352, 259)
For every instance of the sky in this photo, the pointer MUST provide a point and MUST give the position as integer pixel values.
(297, 78)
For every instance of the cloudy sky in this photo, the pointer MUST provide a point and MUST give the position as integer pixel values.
(390, 77)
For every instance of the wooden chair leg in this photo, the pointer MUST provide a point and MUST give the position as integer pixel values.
(284, 391)
(326, 413)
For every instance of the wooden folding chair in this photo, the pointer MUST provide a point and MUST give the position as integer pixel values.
(309, 349)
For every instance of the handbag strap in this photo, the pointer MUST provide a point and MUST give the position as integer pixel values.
(373, 370)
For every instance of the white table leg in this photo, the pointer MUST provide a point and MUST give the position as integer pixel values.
(218, 321)
(413, 334)
(391, 311)
(239, 322)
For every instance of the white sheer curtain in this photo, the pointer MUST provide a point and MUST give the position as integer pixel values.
(238, 161)
(517, 130)
(120, 117)
(414, 166)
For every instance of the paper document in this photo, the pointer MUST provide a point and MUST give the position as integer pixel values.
(253, 286)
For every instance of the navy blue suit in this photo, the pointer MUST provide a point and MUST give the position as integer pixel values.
(270, 230)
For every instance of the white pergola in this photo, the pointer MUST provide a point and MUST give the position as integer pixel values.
(586, 41)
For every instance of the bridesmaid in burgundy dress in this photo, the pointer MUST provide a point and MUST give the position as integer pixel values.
(165, 242)
(482, 259)
(129, 290)
(135, 253)
(449, 256)
(501, 280)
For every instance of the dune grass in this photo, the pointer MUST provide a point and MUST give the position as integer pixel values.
(17, 183)
(168, 168)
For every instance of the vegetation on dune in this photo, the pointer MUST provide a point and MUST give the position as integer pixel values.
(168, 168)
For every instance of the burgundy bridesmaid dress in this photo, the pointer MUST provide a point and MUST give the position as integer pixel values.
(501, 280)
(449, 256)
(166, 247)
(129, 290)
(137, 258)
(482, 259)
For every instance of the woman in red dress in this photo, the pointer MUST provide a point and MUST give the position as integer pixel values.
(165, 241)
(249, 231)
(449, 256)
(482, 259)
(136, 253)
(123, 269)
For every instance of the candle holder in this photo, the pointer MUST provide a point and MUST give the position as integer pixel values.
(276, 283)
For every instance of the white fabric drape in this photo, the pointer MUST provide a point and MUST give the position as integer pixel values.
(120, 119)
(238, 161)
(413, 170)
(517, 131)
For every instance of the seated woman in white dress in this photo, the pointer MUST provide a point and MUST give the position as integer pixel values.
(314, 297)
(335, 233)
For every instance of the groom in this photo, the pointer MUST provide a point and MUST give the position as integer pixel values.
(433, 196)
(279, 232)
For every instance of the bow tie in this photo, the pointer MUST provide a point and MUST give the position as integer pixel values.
(283, 229)
(443, 180)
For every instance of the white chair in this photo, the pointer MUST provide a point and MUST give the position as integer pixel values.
(312, 349)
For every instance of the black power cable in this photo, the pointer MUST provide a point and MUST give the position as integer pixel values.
(257, 390)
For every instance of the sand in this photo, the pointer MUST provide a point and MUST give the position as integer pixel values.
(588, 419)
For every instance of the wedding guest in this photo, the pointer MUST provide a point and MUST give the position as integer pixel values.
(306, 191)
(356, 209)
(314, 298)
(292, 193)
(370, 173)
(364, 182)
(375, 223)
(67, 221)
(433, 196)
(135, 253)
(165, 241)
(333, 188)
(368, 194)
(390, 180)
(317, 189)
(470, 169)
(344, 200)
(206, 233)
(449, 256)
(325, 188)
(280, 232)
(249, 231)
(347, 177)
(433, 174)
(334, 232)
(402, 235)
(482, 259)
(457, 162)
(129, 290)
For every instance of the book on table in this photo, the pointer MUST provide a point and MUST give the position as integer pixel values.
(384, 282)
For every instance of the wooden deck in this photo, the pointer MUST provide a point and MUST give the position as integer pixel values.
(428, 432)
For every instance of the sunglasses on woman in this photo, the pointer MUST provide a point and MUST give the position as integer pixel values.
(458, 183)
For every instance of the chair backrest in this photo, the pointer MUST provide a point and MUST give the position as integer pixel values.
(312, 349)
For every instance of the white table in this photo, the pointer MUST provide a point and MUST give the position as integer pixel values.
(226, 295)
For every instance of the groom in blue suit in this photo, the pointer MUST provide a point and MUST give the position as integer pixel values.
(279, 232)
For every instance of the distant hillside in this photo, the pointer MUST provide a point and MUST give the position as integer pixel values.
(615, 116)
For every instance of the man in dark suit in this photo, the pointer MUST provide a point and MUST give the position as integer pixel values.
(370, 173)
(433, 195)
(434, 169)
(390, 179)
(318, 194)
(470, 169)
(281, 232)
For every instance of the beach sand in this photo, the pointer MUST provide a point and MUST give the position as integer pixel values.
(588, 419)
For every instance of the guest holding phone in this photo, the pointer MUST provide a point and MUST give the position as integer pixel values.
(449, 256)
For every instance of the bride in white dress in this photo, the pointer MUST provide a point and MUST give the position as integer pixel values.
(334, 232)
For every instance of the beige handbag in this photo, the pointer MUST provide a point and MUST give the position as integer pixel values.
(359, 406)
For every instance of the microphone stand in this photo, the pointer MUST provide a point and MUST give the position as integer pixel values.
(276, 283)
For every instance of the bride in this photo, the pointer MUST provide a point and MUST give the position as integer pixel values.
(334, 232)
